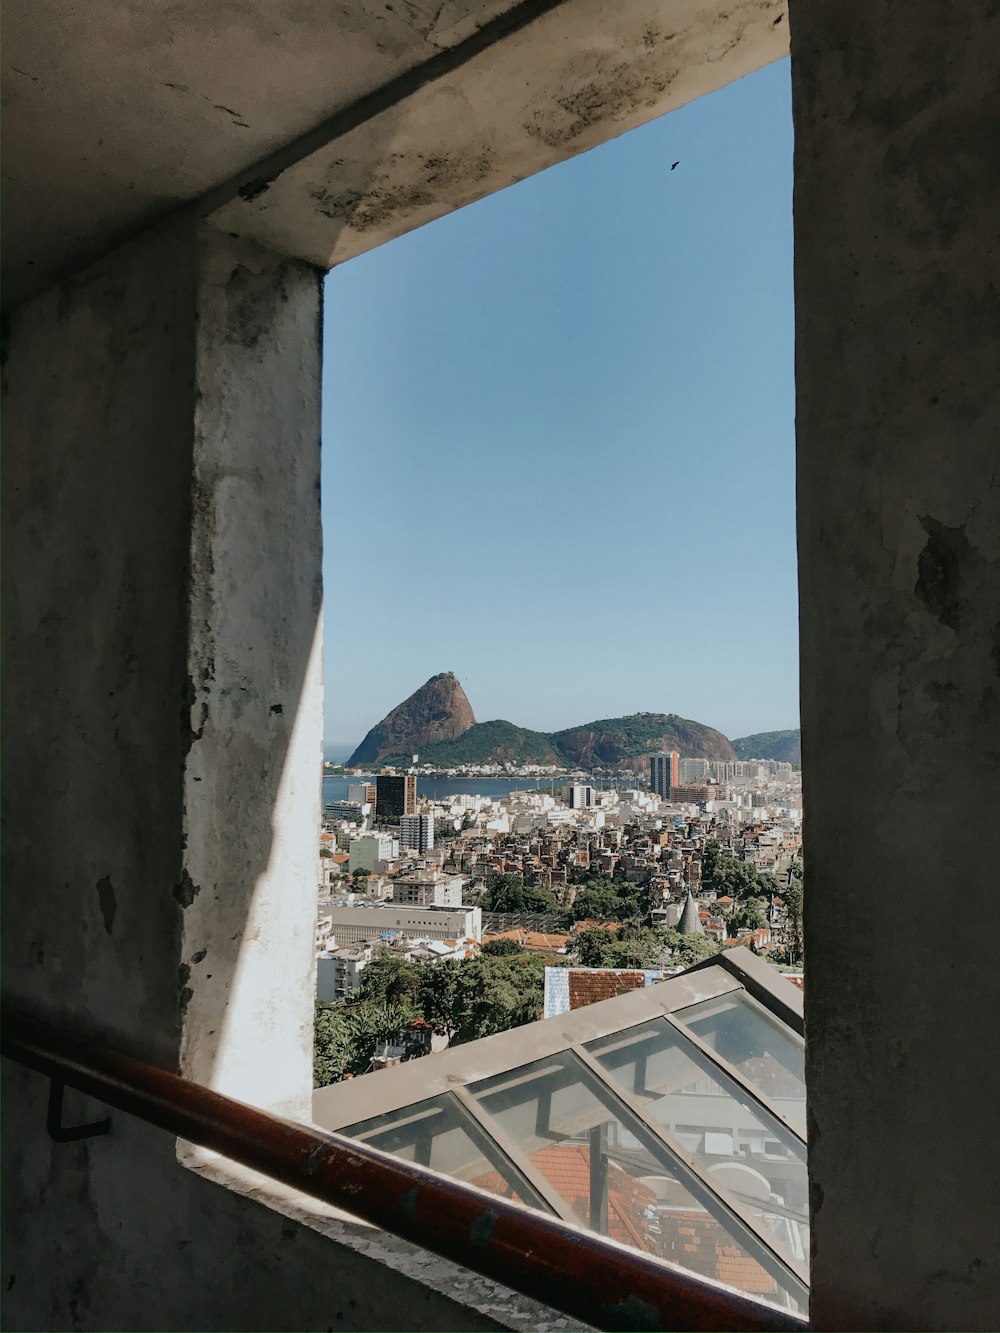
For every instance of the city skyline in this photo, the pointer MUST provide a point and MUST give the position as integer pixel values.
(563, 416)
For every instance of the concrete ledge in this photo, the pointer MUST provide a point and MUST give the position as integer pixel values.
(487, 1304)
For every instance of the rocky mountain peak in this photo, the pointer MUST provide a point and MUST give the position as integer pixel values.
(438, 711)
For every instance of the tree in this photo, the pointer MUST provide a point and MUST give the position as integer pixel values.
(390, 979)
(345, 1037)
(639, 946)
(333, 1046)
(477, 997)
(508, 893)
(749, 913)
(374, 1023)
(599, 903)
(792, 895)
(710, 860)
(631, 945)
(438, 994)
(496, 994)
(732, 878)
(686, 950)
(500, 949)
(596, 948)
(606, 899)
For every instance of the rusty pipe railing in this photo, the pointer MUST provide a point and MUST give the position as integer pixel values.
(585, 1276)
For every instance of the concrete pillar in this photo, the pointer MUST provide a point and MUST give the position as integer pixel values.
(897, 198)
(161, 792)
(162, 600)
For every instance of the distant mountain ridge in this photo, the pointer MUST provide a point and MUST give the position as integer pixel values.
(496, 742)
(415, 726)
(613, 742)
(784, 746)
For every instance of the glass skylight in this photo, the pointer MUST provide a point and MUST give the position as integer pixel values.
(754, 1043)
(670, 1119)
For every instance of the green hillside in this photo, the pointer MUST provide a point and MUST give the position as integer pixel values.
(608, 743)
(614, 741)
(496, 742)
(785, 746)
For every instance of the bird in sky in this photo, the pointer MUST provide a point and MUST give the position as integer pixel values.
(675, 166)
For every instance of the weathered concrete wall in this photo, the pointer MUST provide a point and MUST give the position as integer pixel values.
(161, 783)
(162, 791)
(113, 1234)
(897, 197)
(253, 776)
(164, 703)
(98, 447)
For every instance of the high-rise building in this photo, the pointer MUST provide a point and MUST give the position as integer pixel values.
(663, 772)
(416, 832)
(361, 792)
(578, 797)
(692, 770)
(395, 796)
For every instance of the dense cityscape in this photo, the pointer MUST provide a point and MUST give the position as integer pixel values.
(442, 920)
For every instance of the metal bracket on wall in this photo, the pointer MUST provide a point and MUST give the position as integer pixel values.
(69, 1134)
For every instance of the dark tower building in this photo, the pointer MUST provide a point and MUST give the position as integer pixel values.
(663, 772)
(395, 797)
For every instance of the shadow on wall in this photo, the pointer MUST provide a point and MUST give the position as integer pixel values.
(163, 601)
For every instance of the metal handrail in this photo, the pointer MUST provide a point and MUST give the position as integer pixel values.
(599, 1281)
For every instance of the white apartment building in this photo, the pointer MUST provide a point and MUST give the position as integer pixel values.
(361, 793)
(338, 973)
(416, 832)
(364, 852)
(350, 924)
(429, 888)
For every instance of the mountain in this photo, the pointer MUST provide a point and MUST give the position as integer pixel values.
(615, 742)
(438, 724)
(437, 712)
(785, 746)
(497, 742)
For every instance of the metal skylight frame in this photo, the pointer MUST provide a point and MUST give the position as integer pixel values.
(456, 1070)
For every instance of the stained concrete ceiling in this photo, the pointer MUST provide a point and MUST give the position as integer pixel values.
(115, 111)
(320, 128)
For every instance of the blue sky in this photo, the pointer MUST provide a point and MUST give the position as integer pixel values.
(558, 439)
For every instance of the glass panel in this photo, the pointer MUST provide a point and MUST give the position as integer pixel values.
(441, 1135)
(768, 1054)
(620, 1181)
(748, 1152)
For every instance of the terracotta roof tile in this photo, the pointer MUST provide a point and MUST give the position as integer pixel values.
(544, 943)
(737, 1269)
(590, 987)
(566, 1167)
(536, 941)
